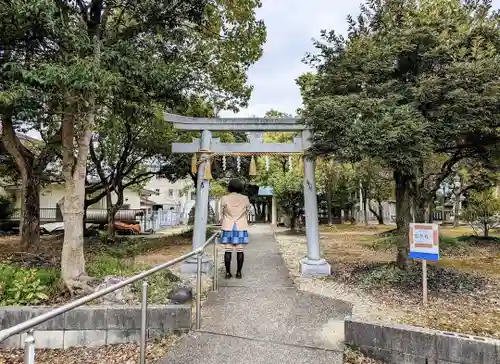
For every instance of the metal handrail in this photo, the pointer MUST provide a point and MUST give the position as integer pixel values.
(29, 353)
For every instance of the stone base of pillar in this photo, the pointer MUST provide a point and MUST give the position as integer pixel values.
(190, 266)
(315, 268)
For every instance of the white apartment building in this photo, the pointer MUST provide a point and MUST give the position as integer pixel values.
(180, 195)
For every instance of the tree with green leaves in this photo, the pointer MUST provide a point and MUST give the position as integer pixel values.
(88, 58)
(28, 43)
(482, 211)
(376, 185)
(289, 192)
(469, 175)
(124, 155)
(338, 183)
(327, 180)
(411, 79)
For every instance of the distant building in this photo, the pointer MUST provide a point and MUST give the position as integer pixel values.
(180, 195)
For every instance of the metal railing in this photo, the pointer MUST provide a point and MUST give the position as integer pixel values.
(27, 326)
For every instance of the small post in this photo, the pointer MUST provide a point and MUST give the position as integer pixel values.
(198, 291)
(424, 281)
(144, 318)
(424, 246)
(274, 212)
(215, 282)
(29, 348)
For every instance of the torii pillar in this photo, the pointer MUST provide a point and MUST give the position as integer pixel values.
(313, 264)
(274, 212)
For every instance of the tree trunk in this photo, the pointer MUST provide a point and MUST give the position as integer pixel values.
(349, 215)
(112, 210)
(365, 207)
(255, 212)
(84, 220)
(419, 208)
(430, 211)
(293, 219)
(74, 168)
(29, 221)
(486, 230)
(260, 206)
(111, 233)
(30, 227)
(379, 215)
(403, 216)
(456, 218)
(329, 206)
(72, 257)
(74, 171)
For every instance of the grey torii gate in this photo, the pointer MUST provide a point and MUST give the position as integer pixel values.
(313, 264)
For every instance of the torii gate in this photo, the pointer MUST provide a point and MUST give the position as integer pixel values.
(313, 264)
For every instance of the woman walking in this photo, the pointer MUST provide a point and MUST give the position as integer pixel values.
(234, 236)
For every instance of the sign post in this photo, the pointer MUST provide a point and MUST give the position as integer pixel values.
(424, 246)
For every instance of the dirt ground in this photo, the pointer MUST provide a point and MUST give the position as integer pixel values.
(110, 354)
(48, 254)
(163, 254)
(464, 286)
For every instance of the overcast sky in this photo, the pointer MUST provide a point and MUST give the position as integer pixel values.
(291, 24)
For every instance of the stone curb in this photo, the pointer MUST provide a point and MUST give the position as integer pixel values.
(95, 325)
(396, 344)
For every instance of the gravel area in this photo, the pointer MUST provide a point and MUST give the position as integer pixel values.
(293, 248)
(464, 286)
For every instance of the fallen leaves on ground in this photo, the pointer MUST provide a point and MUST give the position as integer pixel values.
(464, 289)
(355, 357)
(109, 354)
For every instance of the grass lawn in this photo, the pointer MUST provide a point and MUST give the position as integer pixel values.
(464, 286)
(33, 277)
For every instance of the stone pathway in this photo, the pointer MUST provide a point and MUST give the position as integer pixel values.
(263, 319)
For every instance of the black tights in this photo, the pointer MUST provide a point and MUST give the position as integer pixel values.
(240, 258)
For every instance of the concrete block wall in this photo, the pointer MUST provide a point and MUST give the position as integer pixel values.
(94, 325)
(398, 344)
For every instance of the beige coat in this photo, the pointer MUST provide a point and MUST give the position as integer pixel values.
(234, 211)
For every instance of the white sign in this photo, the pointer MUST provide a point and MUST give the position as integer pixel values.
(424, 241)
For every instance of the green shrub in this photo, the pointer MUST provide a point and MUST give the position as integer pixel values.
(385, 243)
(160, 285)
(108, 265)
(452, 244)
(128, 248)
(388, 276)
(21, 286)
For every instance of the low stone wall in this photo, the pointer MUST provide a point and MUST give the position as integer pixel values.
(95, 325)
(397, 344)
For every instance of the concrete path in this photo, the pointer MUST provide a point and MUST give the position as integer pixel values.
(263, 319)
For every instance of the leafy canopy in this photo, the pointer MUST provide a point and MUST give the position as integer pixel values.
(411, 78)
